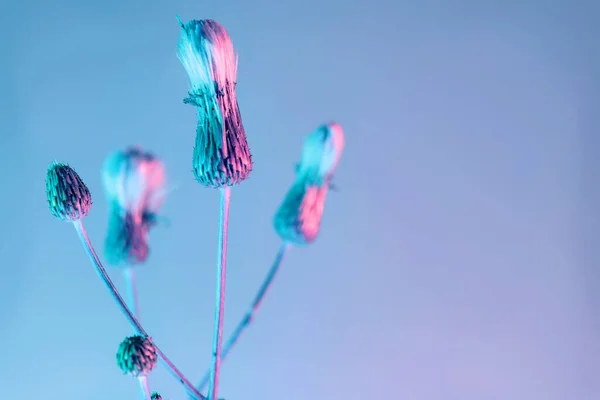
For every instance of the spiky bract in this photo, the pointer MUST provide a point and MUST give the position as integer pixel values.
(68, 197)
(136, 356)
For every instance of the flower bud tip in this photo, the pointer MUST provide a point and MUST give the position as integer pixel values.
(68, 197)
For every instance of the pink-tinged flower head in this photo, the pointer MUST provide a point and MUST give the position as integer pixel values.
(221, 153)
(134, 184)
(137, 356)
(68, 197)
(321, 153)
(134, 181)
(298, 219)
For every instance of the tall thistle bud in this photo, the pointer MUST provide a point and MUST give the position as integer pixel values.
(221, 153)
(136, 356)
(298, 219)
(134, 185)
(68, 197)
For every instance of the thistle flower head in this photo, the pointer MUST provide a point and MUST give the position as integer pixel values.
(136, 356)
(155, 396)
(134, 181)
(68, 197)
(321, 153)
(221, 153)
(298, 219)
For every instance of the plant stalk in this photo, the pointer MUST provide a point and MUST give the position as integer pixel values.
(253, 309)
(213, 386)
(89, 249)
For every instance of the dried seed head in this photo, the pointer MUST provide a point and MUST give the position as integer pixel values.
(321, 153)
(68, 197)
(155, 396)
(298, 219)
(134, 185)
(221, 152)
(134, 180)
(136, 356)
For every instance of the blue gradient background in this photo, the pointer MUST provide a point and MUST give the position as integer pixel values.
(458, 260)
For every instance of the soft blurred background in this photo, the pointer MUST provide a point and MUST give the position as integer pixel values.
(457, 260)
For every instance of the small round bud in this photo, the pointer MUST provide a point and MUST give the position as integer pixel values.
(136, 356)
(68, 197)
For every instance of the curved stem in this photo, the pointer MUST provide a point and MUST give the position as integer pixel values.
(144, 389)
(89, 249)
(213, 386)
(254, 306)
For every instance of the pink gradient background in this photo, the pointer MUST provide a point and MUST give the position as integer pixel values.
(458, 260)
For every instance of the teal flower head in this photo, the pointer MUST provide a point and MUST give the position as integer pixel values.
(133, 181)
(221, 154)
(68, 197)
(298, 219)
(155, 396)
(136, 356)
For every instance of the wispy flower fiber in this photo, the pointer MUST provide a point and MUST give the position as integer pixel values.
(134, 181)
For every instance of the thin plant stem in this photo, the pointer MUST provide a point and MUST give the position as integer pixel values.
(131, 290)
(89, 249)
(144, 389)
(252, 310)
(213, 386)
(133, 304)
